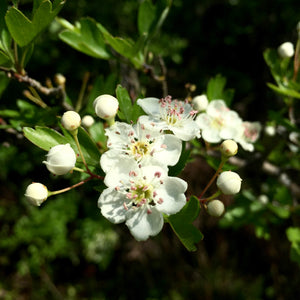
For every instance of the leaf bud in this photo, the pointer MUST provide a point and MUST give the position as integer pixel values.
(71, 120)
(60, 159)
(200, 102)
(36, 193)
(106, 106)
(286, 50)
(215, 208)
(229, 183)
(229, 148)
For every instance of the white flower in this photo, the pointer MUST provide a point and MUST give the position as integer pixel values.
(215, 208)
(71, 120)
(229, 148)
(138, 195)
(218, 122)
(286, 50)
(36, 193)
(249, 134)
(88, 121)
(229, 183)
(106, 106)
(60, 159)
(200, 102)
(176, 116)
(144, 145)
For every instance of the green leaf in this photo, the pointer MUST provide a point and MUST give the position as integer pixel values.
(215, 90)
(4, 81)
(293, 234)
(280, 211)
(272, 60)
(44, 137)
(125, 47)
(284, 91)
(24, 30)
(125, 103)
(137, 111)
(85, 37)
(184, 156)
(182, 225)
(146, 16)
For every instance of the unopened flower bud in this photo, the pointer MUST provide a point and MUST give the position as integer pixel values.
(36, 193)
(286, 50)
(229, 182)
(229, 148)
(200, 102)
(270, 130)
(60, 79)
(60, 159)
(106, 106)
(71, 120)
(263, 199)
(215, 208)
(88, 121)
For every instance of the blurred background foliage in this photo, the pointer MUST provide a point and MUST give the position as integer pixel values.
(66, 250)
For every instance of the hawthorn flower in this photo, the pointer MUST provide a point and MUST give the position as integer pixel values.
(218, 122)
(146, 146)
(139, 195)
(176, 116)
(249, 134)
(36, 193)
(61, 159)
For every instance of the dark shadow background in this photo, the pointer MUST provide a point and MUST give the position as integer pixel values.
(209, 37)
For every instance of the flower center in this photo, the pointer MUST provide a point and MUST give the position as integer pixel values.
(140, 149)
(140, 194)
(217, 123)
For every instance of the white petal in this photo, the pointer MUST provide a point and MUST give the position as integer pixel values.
(121, 172)
(109, 159)
(204, 121)
(149, 105)
(216, 108)
(188, 131)
(170, 155)
(118, 134)
(111, 204)
(211, 135)
(172, 194)
(142, 224)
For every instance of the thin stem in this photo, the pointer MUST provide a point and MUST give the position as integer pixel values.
(80, 152)
(214, 177)
(70, 187)
(205, 200)
(34, 99)
(82, 90)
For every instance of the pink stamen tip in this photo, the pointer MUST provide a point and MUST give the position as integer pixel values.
(145, 188)
(148, 136)
(157, 174)
(161, 182)
(142, 126)
(149, 211)
(160, 201)
(117, 188)
(125, 206)
(164, 146)
(133, 188)
(154, 194)
(132, 173)
(129, 195)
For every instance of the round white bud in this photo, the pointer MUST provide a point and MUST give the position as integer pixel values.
(286, 50)
(200, 102)
(270, 130)
(88, 121)
(71, 120)
(229, 182)
(36, 193)
(215, 208)
(263, 199)
(60, 159)
(229, 148)
(60, 79)
(106, 106)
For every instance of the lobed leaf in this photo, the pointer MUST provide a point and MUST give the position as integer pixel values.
(181, 224)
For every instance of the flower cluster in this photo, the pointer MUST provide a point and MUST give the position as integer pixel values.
(139, 190)
(219, 123)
